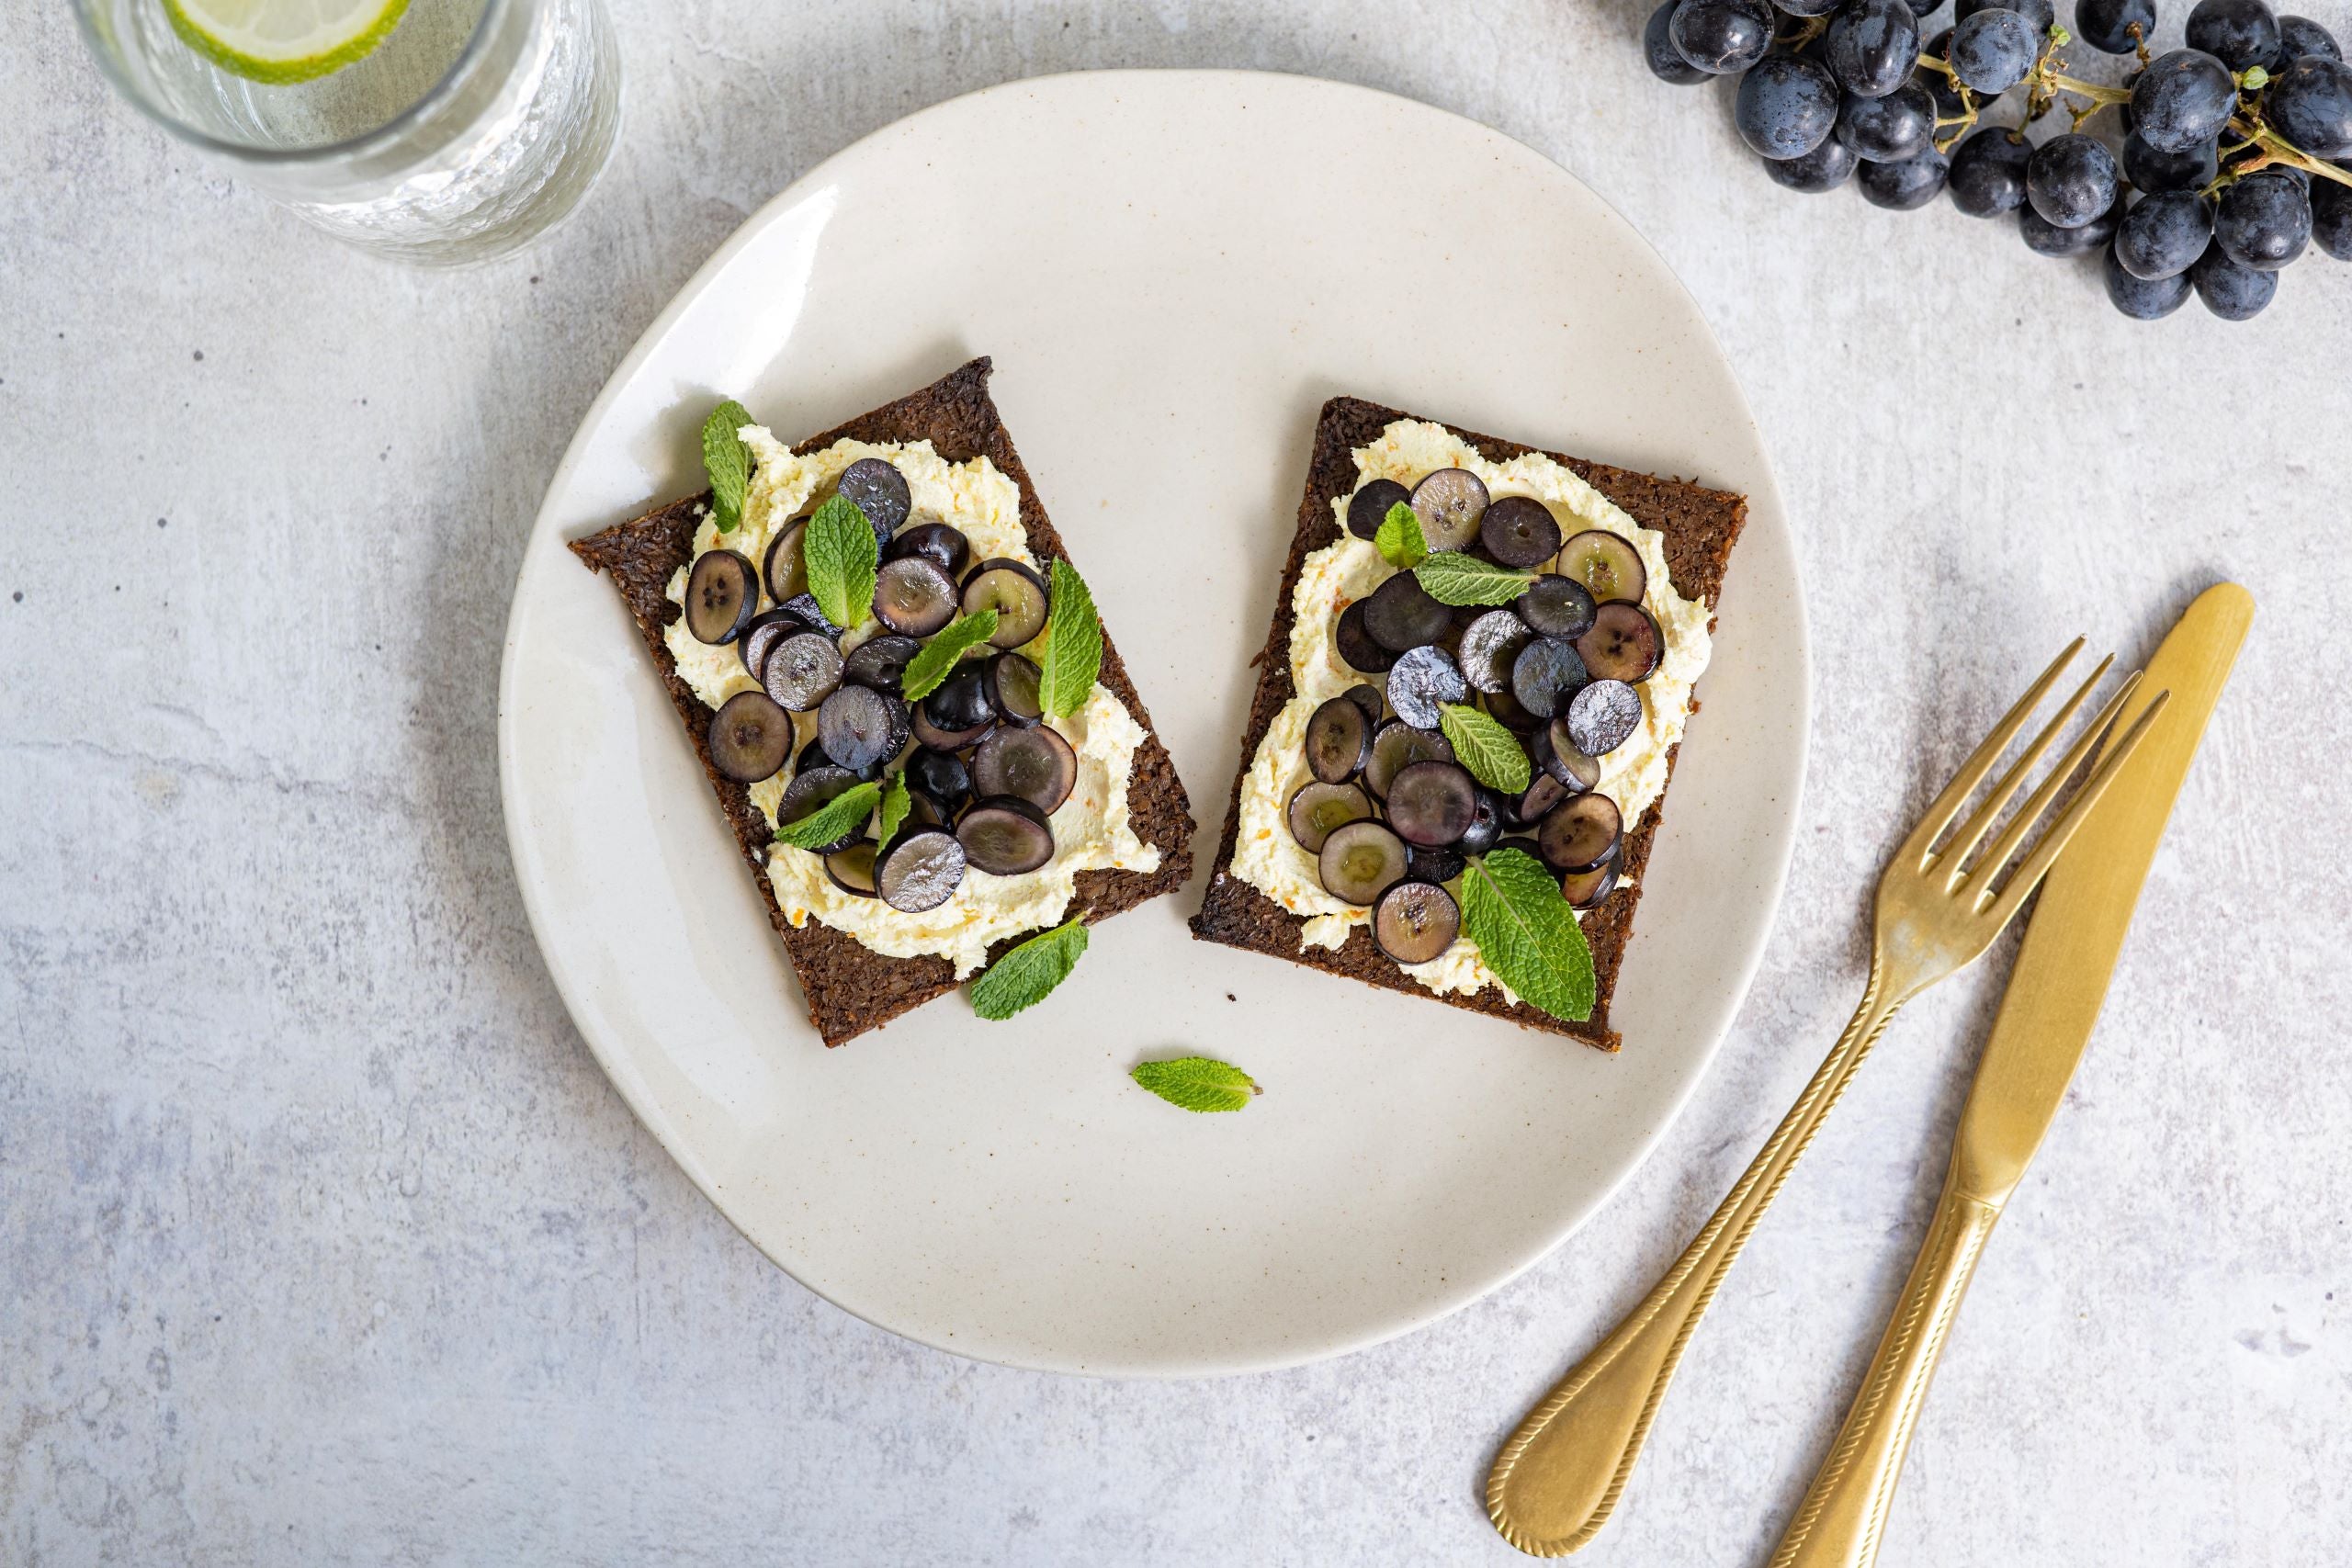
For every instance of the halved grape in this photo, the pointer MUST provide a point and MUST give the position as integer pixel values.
(880, 492)
(1603, 716)
(943, 546)
(1006, 836)
(1367, 697)
(1356, 643)
(1015, 592)
(919, 870)
(852, 870)
(1607, 565)
(1547, 674)
(1416, 921)
(786, 573)
(750, 738)
(1486, 826)
(1339, 740)
(1012, 685)
(1396, 746)
(1557, 755)
(1449, 504)
(802, 670)
(942, 775)
(1586, 889)
(1368, 508)
(814, 787)
(962, 700)
(1623, 644)
(861, 727)
(1421, 682)
(940, 738)
(914, 595)
(880, 662)
(759, 638)
(1035, 765)
(1520, 531)
(1317, 809)
(1579, 833)
(1504, 709)
(1434, 866)
(1555, 605)
(1432, 803)
(1401, 615)
(1360, 861)
(1490, 645)
(723, 595)
(1543, 792)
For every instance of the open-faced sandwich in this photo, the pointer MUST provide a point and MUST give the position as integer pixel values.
(1479, 672)
(931, 754)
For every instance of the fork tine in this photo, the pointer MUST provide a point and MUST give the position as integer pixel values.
(2045, 853)
(1947, 806)
(1964, 842)
(2036, 804)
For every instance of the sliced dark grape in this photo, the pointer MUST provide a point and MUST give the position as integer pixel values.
(1624, 644)
(1416, 921)
(1490, 646)
(880, 662)
(1401, 615)
(1317, 809)
(852, 870)
(919, 870)
(750, 737)
(1555, 605)
(804, 606)
(1339, 740)
(761, 637)
(1486, 825)
(1012, 686)
(961, 702)
(914, 595)
(811, 756)
(1547, 674)
(880, 492)
(1360, 861)
(802, 670)
(1367, 697)
(1356, 644)
(1558, 756)
(1504, 709)
(1432, 803)
(1015, 592)
(943, 546)
(859, 727)
(1423, 680)
(1449, 504)
(1035, 764)
(1586, 889)
(1006, 837)
(1368, 508)
(1579, 833)
(924, 811)
(1520, 531)
(943, 739)
(1434, 866)
(1543, 792)
(942, 775)
(1396, 747)
(1603, 716)
(723, 595)
(814, 787)
(1606, 564)
(786, 572)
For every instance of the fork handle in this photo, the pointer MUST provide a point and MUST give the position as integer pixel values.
(1844, 1513)
(1555, 1481)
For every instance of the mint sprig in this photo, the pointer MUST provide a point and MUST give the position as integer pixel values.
(1073, 652)
(841, 557)
(1398, 540)
(1198, 1083)
(1027, 973)
(1513, 909)
(937, 659)
(1481, 744)
(728, 462)
(893, 808)
(837, 818)
(1452, 578)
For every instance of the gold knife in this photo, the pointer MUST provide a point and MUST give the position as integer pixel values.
(2045, 1019)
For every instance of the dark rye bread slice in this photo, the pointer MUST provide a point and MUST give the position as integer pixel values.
(848, 987)
(1700, 526)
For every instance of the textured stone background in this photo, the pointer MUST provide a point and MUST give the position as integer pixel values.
(323, 1239)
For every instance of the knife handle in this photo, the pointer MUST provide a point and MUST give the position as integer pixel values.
(1843, 1515)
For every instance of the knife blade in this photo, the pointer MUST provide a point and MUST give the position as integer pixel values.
(2086, 906)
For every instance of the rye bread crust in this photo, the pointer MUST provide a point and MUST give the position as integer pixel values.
(848, 987)
(1700, 526)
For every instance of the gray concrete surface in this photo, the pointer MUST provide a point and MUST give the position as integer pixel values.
(324, 1240)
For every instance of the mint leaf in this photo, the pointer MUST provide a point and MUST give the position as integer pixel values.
(1399, 540)
(936, 659)
(1452, 578)
(1492, 753)
(1073, 654)
(894, 808)
(1198, 1083)
(838, 818)
(727, 461)
(1024, 976)
(841, 555)
(1511, 908)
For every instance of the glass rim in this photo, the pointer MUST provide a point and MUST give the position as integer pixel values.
(431, 99)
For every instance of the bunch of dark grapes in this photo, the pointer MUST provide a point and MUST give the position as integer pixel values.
(2228, 158)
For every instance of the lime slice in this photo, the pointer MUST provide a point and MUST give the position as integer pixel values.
(283, 40)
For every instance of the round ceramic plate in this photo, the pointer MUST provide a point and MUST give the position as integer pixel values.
(1173, 270)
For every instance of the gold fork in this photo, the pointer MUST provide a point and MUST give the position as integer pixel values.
(1555, 1481)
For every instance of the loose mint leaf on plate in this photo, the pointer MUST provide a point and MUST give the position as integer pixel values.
(1198, 1083)
(1399, 540)
(838, 818)
(1073, 653)
(841, 555)
(1511, 908)
(893, 809)
(1452, 578)
(1026, 974)
(937, 659)
(727, 461)
(1481, 744)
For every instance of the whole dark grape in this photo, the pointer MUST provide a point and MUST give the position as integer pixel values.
(1806, 7)
(1889, 129)
(2071, 179)
(2039, 14)
(2143, 298)
(1786, 106)
(2149, 170)
(1941, 87)
(2309, 104)
(2045, 238)
(2231, 291)
(1666, 62)
(1992, 50)
(2163, 236)
(2263, 222)
(2238, 33)
(1826, 167)
(2183, 98)
(2108, 24)
(2300, 36)
(1926, 7)
(1900, 188)
(1871, 46)
(1988, 171)
(2332, 217)
(1721, 37)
